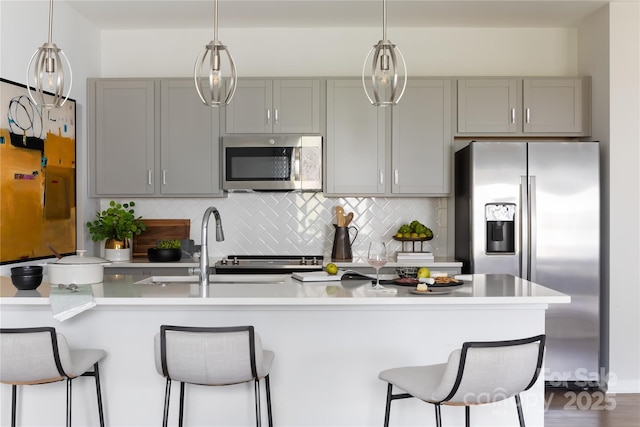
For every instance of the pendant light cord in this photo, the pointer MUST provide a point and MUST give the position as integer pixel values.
(384, 19)
(215, 20)
(50, 20)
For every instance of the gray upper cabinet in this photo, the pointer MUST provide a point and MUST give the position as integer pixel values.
(488, 106)
(556, 106)
(121, 137)
(404, 150)
(421, 142)
(544, 106)
(151, 137)
(356, 141)
(189, 142)
(275, 106)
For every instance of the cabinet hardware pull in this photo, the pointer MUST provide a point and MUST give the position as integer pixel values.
(275, 116)
(395, 176)
(268, 116)
(513, 115)
(164, 177)
(528, 115)
(381, 176)
(150, 177)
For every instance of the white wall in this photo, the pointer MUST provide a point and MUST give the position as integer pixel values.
(24, 28)
(593, 46)
(341, 51)
(624, 176)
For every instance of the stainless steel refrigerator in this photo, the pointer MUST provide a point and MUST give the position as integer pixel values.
(532, 209)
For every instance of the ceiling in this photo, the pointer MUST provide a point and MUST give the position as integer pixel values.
(181, 14)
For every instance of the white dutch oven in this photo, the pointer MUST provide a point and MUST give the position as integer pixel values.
(77, 269)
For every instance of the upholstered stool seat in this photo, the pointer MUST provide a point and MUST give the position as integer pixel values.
(30, 356)
(217, 356)
(479, 373)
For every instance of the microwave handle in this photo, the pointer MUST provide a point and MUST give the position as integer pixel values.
(295, 163)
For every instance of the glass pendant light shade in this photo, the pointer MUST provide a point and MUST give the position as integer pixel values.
(215, 73)
(46, 73)
(384, 73)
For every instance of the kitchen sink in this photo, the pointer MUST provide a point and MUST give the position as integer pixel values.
(216, 278)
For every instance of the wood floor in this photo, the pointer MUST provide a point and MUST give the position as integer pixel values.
(569, 408)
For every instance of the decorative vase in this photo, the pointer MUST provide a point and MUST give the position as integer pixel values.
(117, 250)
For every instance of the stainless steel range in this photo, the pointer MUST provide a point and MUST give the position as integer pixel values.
(268, 264)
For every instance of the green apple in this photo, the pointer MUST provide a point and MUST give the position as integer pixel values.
(332, 269)
(423, 273)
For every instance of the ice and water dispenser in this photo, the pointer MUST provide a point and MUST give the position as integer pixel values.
(500, 227)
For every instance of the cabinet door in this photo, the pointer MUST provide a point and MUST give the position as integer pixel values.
(421, 147)
(553, 105)
(296, 106)
(356, 135)
(123, 148)
(488, 106)
(189, 142)
(250, 108)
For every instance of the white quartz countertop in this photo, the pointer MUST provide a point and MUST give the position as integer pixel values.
(282, 290)
(358, 261)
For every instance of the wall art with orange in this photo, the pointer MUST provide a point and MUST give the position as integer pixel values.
(37, 176)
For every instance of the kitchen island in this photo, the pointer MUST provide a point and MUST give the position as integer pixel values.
(331, 340)
(359, 263)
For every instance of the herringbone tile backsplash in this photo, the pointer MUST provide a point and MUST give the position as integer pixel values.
(299, 223)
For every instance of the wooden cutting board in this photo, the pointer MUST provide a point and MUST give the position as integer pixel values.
(158, 229)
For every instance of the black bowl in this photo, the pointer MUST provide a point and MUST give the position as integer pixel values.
(27, 270)
(164, 255)
(26, 283)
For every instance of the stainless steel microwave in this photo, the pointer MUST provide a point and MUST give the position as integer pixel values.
(272, 163)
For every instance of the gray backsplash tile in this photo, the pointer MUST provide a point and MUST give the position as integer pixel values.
(299, 223)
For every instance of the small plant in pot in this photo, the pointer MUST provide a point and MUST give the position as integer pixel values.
(116, 225)
(168, 250)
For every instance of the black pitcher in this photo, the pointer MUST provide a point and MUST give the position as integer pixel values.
(342, 244)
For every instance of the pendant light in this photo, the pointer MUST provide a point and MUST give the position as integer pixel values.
(386, 70)
(46, 72)
(214, 75)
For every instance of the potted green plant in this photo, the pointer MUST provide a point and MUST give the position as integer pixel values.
(116, 225)
(167, 250)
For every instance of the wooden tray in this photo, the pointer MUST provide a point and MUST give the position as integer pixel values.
(158, 229)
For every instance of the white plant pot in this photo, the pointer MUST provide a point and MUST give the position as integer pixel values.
(118, 254)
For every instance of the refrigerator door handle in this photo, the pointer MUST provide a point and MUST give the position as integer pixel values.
(524, 227)
(532, 229)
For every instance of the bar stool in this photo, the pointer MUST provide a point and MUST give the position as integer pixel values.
(479, 373)
(216, 356)
(30, 356)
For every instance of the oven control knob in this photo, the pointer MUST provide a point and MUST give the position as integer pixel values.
(315, 261)
(303, 261)
(235, 261)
